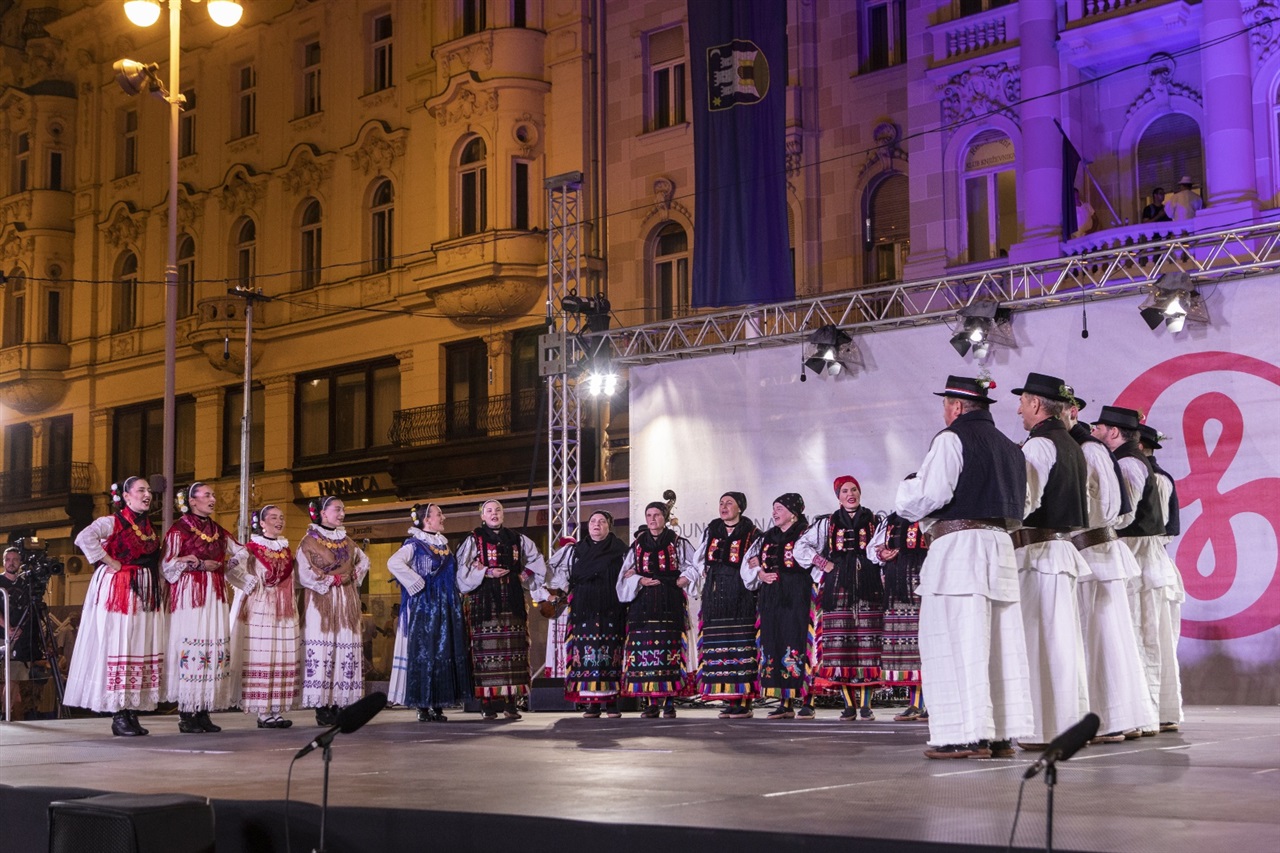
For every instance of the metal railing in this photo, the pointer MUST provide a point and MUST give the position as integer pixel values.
(502, 415)
(51, 481)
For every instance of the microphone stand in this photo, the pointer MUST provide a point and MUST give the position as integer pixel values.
(1050, 780)
(324, 797)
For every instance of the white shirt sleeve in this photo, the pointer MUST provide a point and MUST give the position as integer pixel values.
(877, 540)
(1040, 454)
(561, 565)
(628, 584)
(1135, 480)
(934, 485)
(748, 573)
(809, 546)
(535, 569)
(90, 540)
(398, 565)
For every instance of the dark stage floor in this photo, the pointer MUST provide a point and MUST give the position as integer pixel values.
(1214, 786)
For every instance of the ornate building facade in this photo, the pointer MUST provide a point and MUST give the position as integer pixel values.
(377, 169)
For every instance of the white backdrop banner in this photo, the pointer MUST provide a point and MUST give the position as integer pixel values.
(745, 422)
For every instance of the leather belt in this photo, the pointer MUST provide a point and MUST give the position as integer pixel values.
(1035, 535)
(955, 525)
(1096, 536)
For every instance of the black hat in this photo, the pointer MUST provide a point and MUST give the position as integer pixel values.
(1049, 387)
(793, 502)
(1150, 436)
(964, 388)
(739, 498)
(1117, 417)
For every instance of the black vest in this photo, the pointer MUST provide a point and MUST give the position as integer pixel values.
(1173, 523)
(1065, 502)
(993, 480)
(1081, 434)
(1146, 522)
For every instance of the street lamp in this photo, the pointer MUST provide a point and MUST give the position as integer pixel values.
(136, 78)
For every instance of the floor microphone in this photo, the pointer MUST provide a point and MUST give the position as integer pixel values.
(350, 718)
(1066, 744)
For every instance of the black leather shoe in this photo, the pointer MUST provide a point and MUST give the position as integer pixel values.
(269, 723)
(437, 716)
(120, 726)
(188, 725)
(283, 723)
(137, 726)
(425, 715)
(202, 719)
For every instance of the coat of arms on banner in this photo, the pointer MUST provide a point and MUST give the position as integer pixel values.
(737, 74)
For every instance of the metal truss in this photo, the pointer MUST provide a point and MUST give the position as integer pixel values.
(560, 348)
(1108, 273)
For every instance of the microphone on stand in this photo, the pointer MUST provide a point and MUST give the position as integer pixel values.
(350, 718)
(1066, 744)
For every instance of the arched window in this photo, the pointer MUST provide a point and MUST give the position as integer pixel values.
(473, 188)
(124, 305)
(990, 194)
(1169, 149)
(671, 272)
(381, 217)
(15, 310)
(311, 241)
(246, 253)
(886, 229)
(186, 275)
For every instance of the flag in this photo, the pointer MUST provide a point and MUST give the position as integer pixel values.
(741, 252)
(1070, 163)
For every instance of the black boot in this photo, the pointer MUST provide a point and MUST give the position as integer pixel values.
(202, 718)
(133, 722)
(120, 726)
(188, 724)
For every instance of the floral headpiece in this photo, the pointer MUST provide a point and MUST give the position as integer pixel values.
(181, 499)
(317, 505)
(255, 521)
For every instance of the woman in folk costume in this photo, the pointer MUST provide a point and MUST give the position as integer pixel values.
(729, 662)
(430, 665)
(197, 565)
(265, 628)
(593, 646)
(330, 570)
(495, 566)
(786, 603)
(659, 567)
(900, 548)
(119, 660)
(850, 599)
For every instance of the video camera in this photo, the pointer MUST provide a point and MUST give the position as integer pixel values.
(37, 565)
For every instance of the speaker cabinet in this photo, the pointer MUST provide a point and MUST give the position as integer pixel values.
(132, 823)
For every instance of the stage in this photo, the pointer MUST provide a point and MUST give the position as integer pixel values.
(555, 781)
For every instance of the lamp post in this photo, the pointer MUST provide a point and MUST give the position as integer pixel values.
(135, 78)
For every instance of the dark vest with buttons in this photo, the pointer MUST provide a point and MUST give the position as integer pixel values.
(1173, 522)
(1146, 520)
(1065, 502)
(993, 480)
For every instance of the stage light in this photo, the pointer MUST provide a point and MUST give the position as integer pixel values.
(596, 308)
(136, 77)
(981, 325)
(829, 350)
(601, 383)
(1173, 301)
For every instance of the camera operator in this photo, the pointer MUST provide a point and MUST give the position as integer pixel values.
(20, 646)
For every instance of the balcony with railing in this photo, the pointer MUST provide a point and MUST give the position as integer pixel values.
(974, 35)
(502, 415)
(45, 485)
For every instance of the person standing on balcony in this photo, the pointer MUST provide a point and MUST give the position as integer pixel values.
(119, 660)
(1154, 212)
(331, 568)
(1185, 203)
(265, 629)
(1084, 216)
(430, 664)
(850, 616)
(496, 565)
(197, 554)
(589, 571)
(660, 565)
(729, 663)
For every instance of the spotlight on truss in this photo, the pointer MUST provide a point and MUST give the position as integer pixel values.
(979, 326)
(1173, 301)
(830, 350)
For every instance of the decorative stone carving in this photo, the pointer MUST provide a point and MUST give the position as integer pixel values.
(18, 210)
(474, 56)
(33, 395)
(188, 211)
(238, 195)
(123, 346)
(378, 153)
(480, 302)
(664, 189)
(306, 174)
(375, 290)
(981, 90)
(1263, 23)
(887, 150)
(377, 99)
(795, 146)
(311, 122)
(1160, 70)
(462, 100)
(123, 228)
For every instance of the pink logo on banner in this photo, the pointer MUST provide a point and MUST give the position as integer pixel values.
(1203, 483)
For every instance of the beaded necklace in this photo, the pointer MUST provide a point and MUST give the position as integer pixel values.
(192, 526)
(144, 537)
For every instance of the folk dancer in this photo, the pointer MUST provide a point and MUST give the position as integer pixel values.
(1048, 562)
(264, 628)
(900, 548)
(729, 663)
(431, 663)
(118, 664)
(588, 571)
(1170, 703)
(495, 566)
(786, 610)
(850, 614)
(1117, 684)
(198, 566)
(330, 568)
(1151, 594)
(969, 490)
(660, 565)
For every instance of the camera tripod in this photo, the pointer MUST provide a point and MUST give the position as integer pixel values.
(41, 647)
